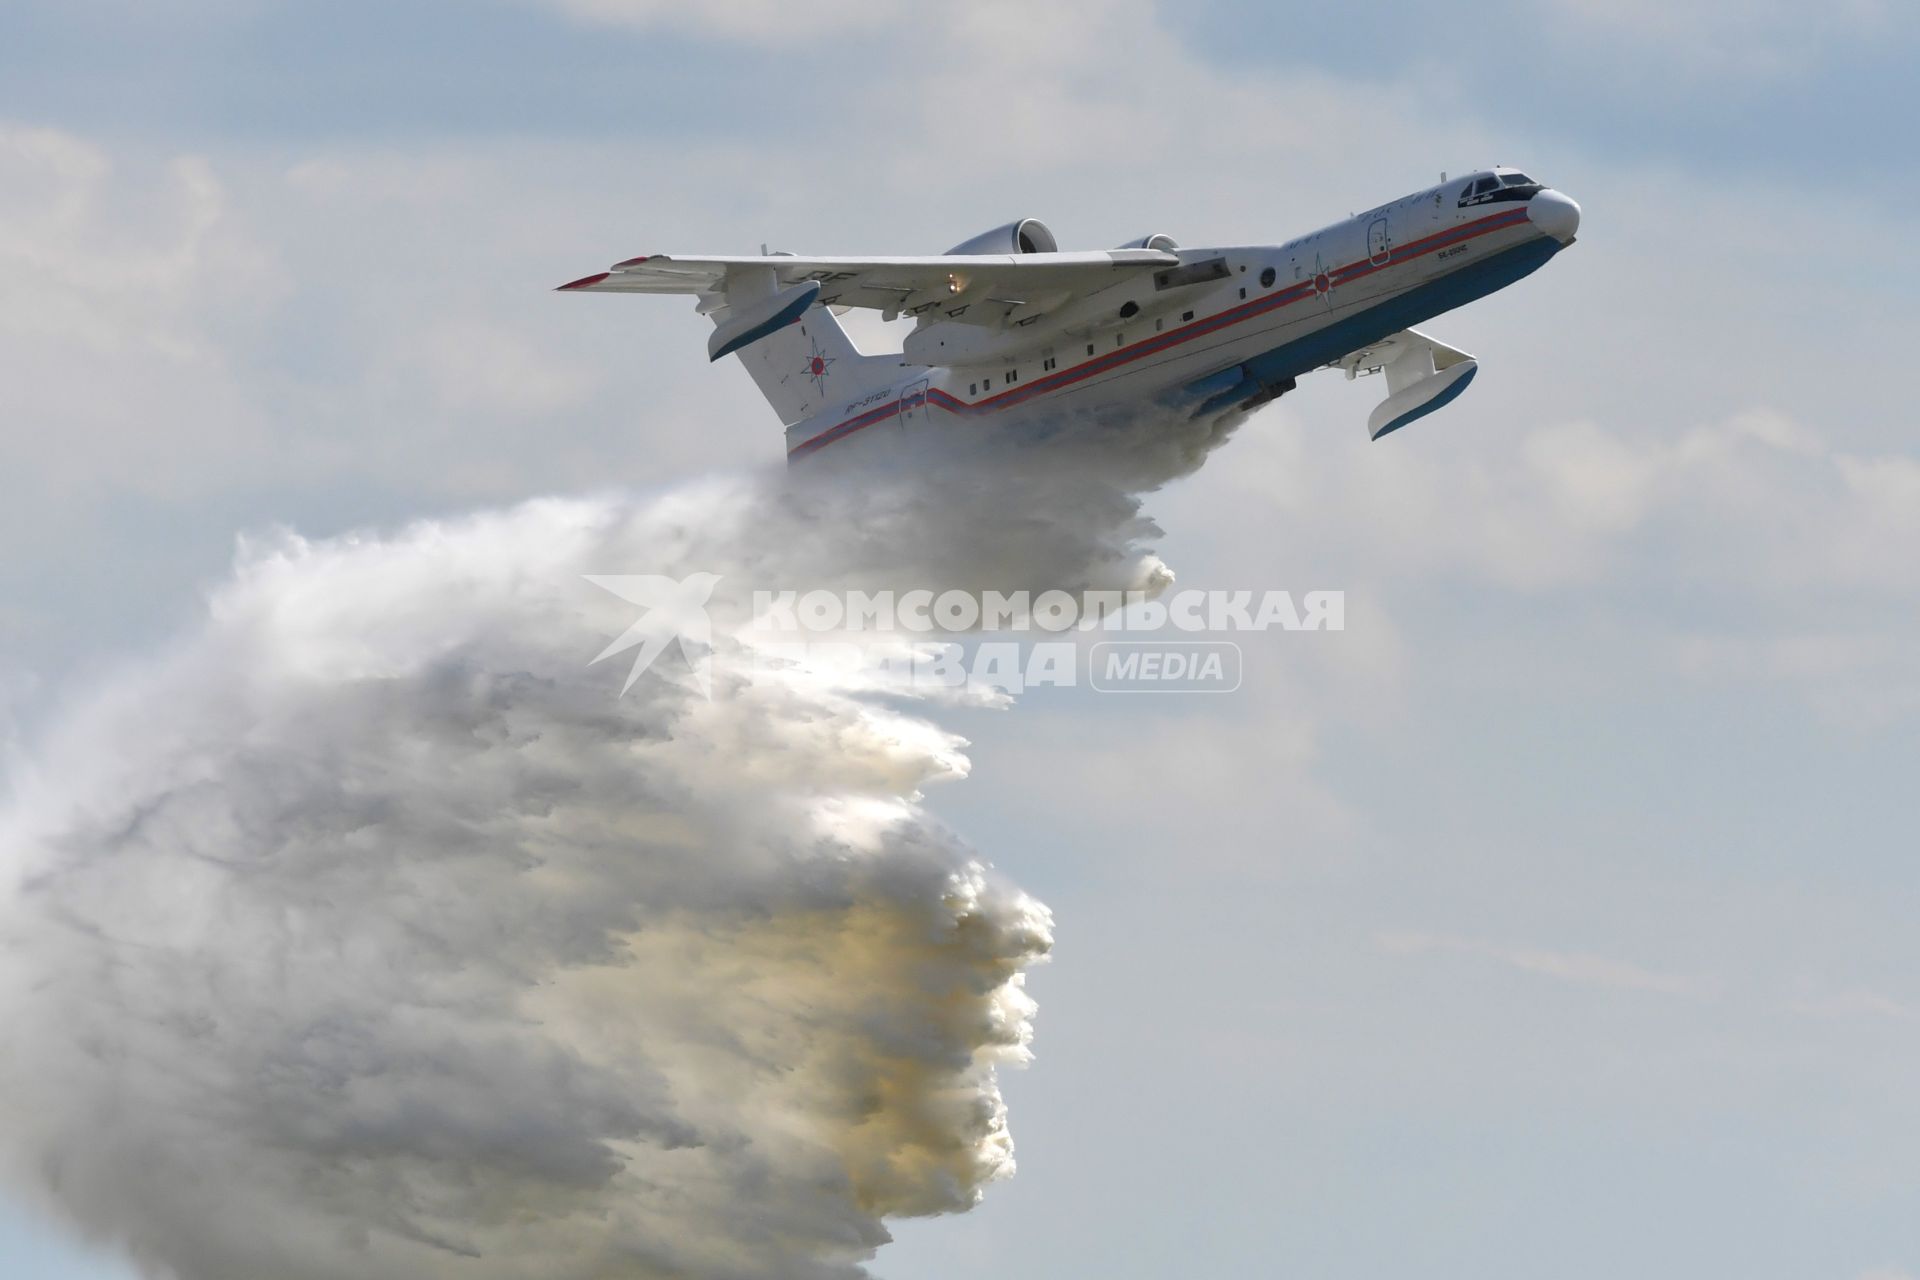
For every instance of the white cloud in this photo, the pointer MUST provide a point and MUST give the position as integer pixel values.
(1761, 545)
(1755, 501)
(125, 291)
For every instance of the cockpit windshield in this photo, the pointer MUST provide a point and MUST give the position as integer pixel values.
(1495, 187)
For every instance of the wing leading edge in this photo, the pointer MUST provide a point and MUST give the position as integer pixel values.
(895, 286)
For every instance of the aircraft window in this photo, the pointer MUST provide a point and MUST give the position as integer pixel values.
(1089, 348)
(973, 388)
(1186, 315)
(1486, 190)
(987, 383)
(1266, 278)
(1516, 180)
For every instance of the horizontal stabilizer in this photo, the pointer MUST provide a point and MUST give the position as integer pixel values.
(750, 323)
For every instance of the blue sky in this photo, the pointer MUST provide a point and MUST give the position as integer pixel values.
(1556, 919)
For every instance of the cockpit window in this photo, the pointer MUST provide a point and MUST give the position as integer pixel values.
(1497, 188)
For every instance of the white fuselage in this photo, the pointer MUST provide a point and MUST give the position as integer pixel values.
(1228, 329)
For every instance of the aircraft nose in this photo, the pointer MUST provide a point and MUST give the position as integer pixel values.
(1555, 214)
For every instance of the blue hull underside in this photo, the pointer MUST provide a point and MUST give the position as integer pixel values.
(1272, 371)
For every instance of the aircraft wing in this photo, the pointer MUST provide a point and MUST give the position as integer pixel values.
(1384, 356)
(987, 285)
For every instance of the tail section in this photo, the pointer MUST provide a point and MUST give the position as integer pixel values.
(767, 311)
(805, 365)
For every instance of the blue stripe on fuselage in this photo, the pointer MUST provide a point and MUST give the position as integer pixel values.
(1416, 306)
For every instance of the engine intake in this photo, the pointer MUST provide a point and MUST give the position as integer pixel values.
(1028, 235)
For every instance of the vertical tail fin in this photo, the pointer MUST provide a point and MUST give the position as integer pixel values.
(810, 363)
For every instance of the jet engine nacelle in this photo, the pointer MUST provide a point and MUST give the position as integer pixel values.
(1163, 242)
(1028, 235)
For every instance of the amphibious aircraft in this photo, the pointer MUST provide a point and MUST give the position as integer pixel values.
(1010, 329)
